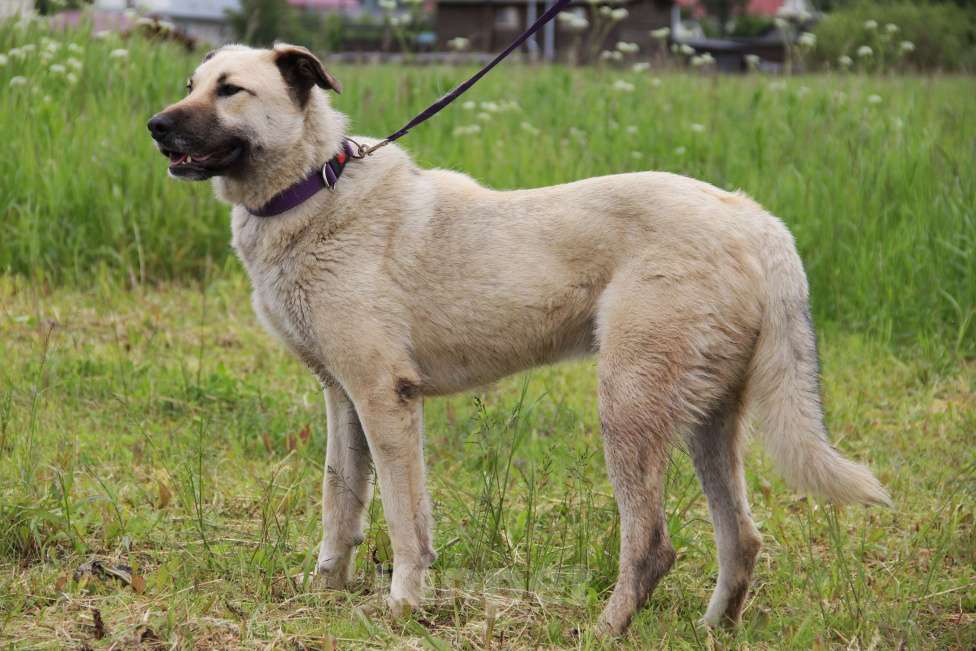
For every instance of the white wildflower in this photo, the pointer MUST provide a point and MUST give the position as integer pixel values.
(75, 48)
(458, 44)
(802, 91)
(47, 99)
(3, 60)
(845, 61)
(631, 129)
(891, 28)
(142, 21)
(387, 5)
(906, 47)
(865, 51)
(641, 66)
(870, 24)
(16, 53)
(491, 107)
(509, 105)
(470, 105)
(120, 53)
(628, 48)
(58, 69)
(166, 26)
(606, 55)
(18, 81)
(752, 61)
(468, 130)
(619, 14)
(622, 86)
(74, 63)
(698, 128)
(656, 82)
(687, 50)
(484, 117)
(46, 57)
(28, 47)
(680, 151)
(102, 34)
(573, 21)
(528, 128)
(579, 23)
(807, 40)
(874, 99)
(605, 11)
(577, 134)
(72, 78)
(661, 34)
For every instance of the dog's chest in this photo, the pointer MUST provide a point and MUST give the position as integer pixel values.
(281, 296)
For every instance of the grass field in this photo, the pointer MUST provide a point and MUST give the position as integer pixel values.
(146, 421)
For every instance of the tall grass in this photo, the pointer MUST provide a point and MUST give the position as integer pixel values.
(873, 175)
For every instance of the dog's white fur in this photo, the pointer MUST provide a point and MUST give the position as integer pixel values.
(405, 283)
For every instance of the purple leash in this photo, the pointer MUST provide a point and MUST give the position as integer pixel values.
(437, 106)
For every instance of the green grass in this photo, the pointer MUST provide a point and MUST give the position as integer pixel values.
(164, 430)
(880, 196)
(146, 420)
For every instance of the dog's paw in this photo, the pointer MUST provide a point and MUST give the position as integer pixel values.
(334, 572)
(610, 625)
(401, 608)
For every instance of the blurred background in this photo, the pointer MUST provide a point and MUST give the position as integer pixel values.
(732, 35)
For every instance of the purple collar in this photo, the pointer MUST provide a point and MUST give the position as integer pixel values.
(325, 177)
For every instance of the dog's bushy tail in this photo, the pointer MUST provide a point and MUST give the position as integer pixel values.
(784, 387)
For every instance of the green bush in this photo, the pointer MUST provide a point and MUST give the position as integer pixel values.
(943, 36)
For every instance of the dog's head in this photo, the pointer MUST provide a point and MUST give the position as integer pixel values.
(242, 105)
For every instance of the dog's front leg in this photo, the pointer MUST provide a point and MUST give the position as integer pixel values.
(392, 415)
(346, 488)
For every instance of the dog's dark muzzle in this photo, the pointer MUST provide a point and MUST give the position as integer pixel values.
(197, 148)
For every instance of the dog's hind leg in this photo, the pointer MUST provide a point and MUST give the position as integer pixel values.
(346, 488)
(666, 357)
(636, 448)
(715, 447)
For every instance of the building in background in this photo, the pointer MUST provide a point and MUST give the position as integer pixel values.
(203, 20)
(490, 25)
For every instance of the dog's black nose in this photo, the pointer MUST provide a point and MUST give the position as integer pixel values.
(159, 125)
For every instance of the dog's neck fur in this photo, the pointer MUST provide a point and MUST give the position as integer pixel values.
(324, 131)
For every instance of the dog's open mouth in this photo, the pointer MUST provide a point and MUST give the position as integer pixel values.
(202, 165)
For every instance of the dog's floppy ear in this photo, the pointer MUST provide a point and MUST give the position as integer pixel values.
(301, 70)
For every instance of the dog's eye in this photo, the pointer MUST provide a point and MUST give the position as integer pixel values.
(226, 90)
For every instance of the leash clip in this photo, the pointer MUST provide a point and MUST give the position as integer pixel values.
(362, 151)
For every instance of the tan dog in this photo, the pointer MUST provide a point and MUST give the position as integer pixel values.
(404, 283)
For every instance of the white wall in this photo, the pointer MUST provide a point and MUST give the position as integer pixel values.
(15, 7)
